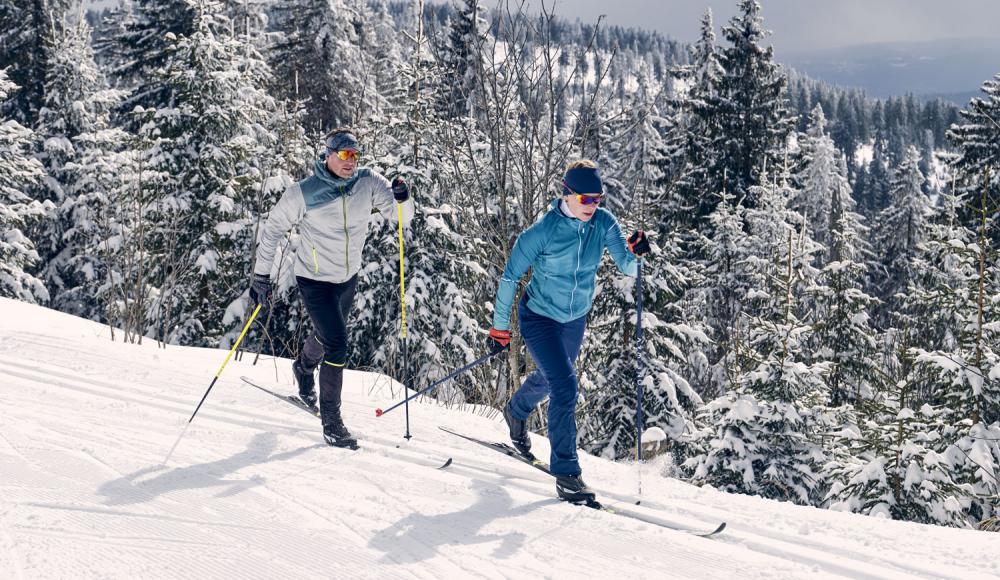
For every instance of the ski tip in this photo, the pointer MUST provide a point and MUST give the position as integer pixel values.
(446, 464)
(378, 412)
(638, 501)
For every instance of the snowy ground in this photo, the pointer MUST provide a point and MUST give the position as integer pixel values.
(252, 491)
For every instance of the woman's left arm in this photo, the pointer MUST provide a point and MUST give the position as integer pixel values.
(614, 241)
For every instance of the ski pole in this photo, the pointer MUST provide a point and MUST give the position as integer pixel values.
(639, 373)
(402, 309)
(471, 365)
(205, 396)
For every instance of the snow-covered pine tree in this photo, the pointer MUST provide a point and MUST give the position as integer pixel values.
(26, 29)
(821, 175)
(900, 228)
(18, 172)
(977, 140)
(381, 51)
(873, 194)
(201, 232)
(461, 57)
(693, 134)
(765, 435)
(136, 45)
(75, 117)
(103, 273)
(840, 313)
(949, 309)
(890, 468)
(753, 119)
(317, 60)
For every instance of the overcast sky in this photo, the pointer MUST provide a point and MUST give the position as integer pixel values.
(801, 25)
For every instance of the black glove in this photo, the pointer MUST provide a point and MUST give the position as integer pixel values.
(260, 289)
(638, 244)
(400, 190)
(498, 340)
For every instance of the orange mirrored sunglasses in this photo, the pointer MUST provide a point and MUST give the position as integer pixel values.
(585, 198)
(348, 154)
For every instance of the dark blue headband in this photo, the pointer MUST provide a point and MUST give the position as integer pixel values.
(585, 180)
(340, 141)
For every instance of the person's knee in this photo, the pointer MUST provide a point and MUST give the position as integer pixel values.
(563, 391)
(335, 359)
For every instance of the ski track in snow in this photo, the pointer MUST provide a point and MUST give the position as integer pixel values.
(253, 492)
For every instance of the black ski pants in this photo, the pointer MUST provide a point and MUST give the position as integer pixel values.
(328, 305)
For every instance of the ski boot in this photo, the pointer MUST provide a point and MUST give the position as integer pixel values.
(336, 434)
(572, 488)
(518, 433)
(307, 384)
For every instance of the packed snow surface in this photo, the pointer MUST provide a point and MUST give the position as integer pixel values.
(251, 490)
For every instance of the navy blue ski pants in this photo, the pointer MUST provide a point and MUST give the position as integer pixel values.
(554, 346)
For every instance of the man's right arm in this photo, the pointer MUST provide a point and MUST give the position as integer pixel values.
(286, 213)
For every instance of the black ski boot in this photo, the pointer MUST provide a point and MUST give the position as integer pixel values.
(307, 384)
(336, 434)
(518, 433)
(572, 489)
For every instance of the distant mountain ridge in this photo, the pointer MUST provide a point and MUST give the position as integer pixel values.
(951, 69)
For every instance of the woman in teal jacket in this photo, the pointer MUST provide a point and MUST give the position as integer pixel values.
(564, 250)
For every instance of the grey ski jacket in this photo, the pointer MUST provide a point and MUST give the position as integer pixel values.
(332, 227)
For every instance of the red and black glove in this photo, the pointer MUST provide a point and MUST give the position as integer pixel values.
(498, 340)
(638, 244)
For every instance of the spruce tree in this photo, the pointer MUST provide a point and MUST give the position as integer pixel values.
(761, 436)
(977, 140)
(203, 230)
(73, 119)
(461, 56)
(844, 335)
(26, 31)
(316, 59)
(18, 172)
(753, 120)
(901, 228)
(891, 468)
(693, 134)
(137, 46)
(821, 176)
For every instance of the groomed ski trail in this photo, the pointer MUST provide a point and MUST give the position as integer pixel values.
(252, 490)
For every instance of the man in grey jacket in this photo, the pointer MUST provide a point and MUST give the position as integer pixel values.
(332, 209)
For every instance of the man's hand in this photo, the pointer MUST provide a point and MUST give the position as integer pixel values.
(260, 289)
(400, 191)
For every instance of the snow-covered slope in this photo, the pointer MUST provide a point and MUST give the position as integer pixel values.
(252, 491)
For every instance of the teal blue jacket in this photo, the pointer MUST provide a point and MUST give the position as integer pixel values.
(564, 254)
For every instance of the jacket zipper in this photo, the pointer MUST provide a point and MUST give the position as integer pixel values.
(579, 248)
(347, 236)
(315, 260)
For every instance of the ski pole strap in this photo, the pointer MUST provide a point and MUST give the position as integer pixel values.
(402, 275)
(471, 365)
